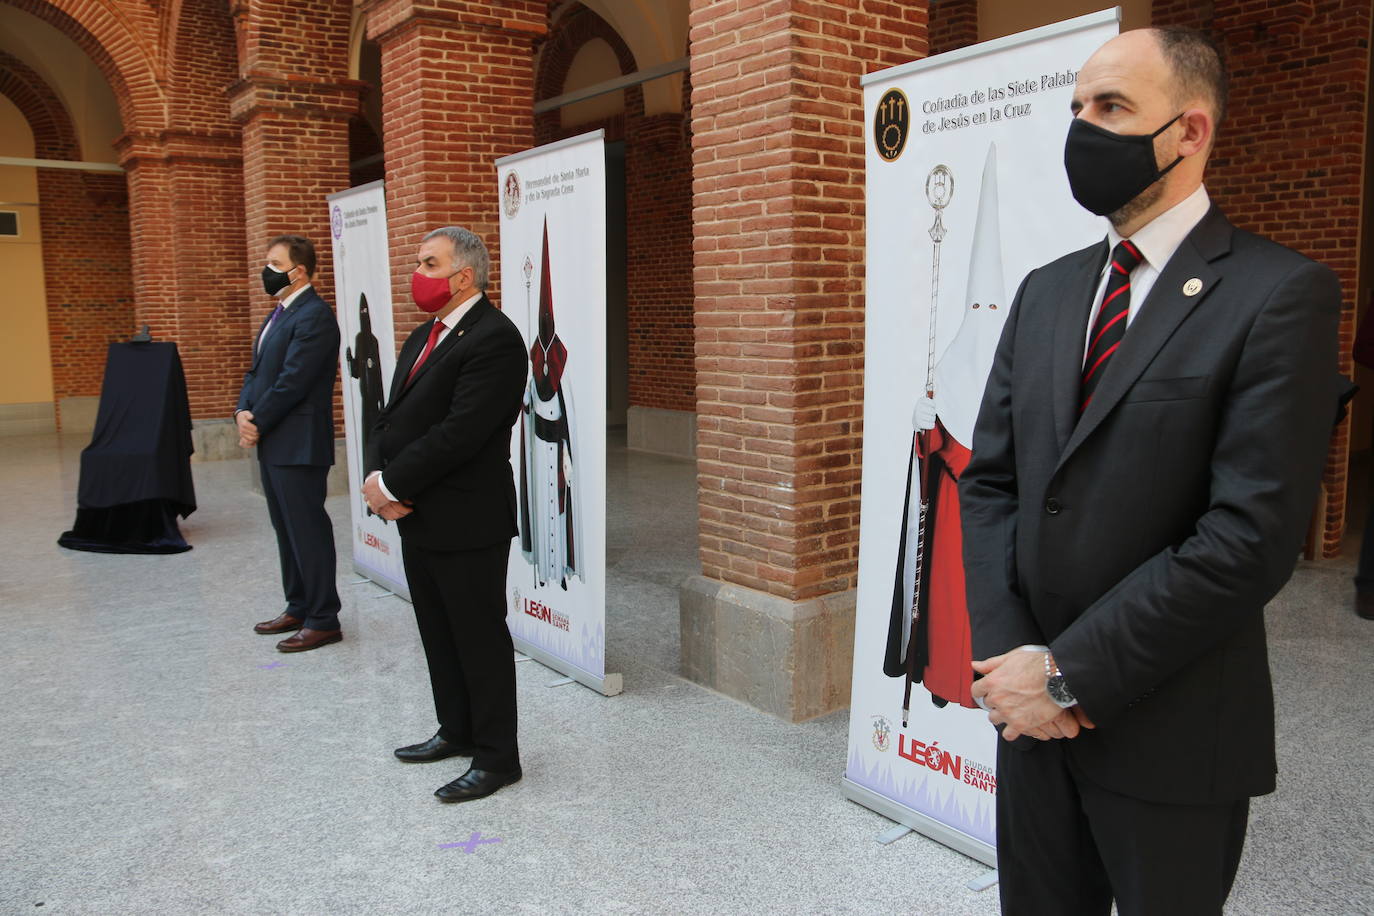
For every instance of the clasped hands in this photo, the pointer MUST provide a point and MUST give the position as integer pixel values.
(1012, 688)
(380, 503)
(248, 432)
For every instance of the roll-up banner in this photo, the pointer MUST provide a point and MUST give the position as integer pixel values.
(966, 193)
(553, 286)
(367, 357)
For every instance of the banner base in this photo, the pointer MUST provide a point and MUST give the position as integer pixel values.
(399, 589)
(927, 826)
(610, 685)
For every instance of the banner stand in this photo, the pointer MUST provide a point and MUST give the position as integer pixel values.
(553, 238)
(927, 826)
(970, 143)
(609, 685)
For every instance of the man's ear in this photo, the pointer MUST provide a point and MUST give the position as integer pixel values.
(1197, 131)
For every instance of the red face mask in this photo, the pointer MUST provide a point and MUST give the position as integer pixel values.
(430, 293)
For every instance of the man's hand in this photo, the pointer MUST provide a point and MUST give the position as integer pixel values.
(1013, 686)
(248, 433)
(379, 502)
(394, 510)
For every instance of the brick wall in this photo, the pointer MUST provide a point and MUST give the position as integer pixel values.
(1289, 161)
(85, 222)
(953, 25)
(658, 193)
(457, 94)
(778, 139)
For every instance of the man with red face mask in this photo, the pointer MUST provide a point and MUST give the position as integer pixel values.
(438, 462)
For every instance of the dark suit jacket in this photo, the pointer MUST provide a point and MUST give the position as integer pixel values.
(443, 442)
(290, 387)
(1142, 541)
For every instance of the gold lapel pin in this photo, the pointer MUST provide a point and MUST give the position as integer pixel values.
(462, 332)
(1192, 287)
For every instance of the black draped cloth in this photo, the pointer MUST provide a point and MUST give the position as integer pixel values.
(136, 473)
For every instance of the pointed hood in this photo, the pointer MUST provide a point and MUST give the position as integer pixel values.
(962, 371)
(548, 356)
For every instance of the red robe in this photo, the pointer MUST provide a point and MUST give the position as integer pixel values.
(948, 673)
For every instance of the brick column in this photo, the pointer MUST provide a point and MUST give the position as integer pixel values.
(457, 94)
(1291, 156)
(294, 109)
(186, 224)
(778, 141)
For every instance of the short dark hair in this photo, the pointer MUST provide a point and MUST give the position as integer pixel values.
(1198, 66)
(301, 249)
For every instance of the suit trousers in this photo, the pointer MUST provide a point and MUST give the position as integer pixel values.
(1066, 845)
(459, 597)
(305, 541)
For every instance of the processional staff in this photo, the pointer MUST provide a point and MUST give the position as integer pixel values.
(939, 192)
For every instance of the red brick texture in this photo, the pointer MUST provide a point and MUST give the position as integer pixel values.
(85, 230)
(1290, 158)
(457, 94)
(658, 191)
(778, 159)
(953, 25)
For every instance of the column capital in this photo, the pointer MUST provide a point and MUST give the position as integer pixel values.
(164, 146)
(259, 92)
(385, 18)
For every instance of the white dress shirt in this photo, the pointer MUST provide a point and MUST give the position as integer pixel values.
(450, 322)
(1157, 241)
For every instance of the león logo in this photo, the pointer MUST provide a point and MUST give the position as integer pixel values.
(891, 123)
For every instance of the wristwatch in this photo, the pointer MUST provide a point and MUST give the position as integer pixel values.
(1054, 684)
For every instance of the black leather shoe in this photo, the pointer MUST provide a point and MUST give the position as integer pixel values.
(476, 784)
(1364, 603)
(435, 748)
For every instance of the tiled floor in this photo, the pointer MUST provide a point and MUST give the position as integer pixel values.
(158, 757)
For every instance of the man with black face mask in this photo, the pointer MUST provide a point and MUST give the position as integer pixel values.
(286, 409)
(1144, 466)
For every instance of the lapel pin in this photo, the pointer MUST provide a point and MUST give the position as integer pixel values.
(462, 332)
(1192, 287)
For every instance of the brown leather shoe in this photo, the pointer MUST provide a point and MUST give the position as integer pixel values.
(308, 639)
(282, 623)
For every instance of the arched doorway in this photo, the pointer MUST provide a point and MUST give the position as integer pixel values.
(68, 262)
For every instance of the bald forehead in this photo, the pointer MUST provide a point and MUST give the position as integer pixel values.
(1131, 68)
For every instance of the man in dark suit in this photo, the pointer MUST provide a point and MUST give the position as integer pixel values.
(439, 463)
(1144, 465)
(286, 410)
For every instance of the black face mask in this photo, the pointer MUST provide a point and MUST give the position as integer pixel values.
(1108, 170)
(274, 281)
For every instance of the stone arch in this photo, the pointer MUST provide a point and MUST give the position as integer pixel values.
(115, 44)
(577, 26)
(54, 134)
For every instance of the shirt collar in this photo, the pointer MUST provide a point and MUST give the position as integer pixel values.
(286, 303)
(451, 320)
(1160, 237)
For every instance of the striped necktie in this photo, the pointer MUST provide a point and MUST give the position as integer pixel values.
(1110, 327)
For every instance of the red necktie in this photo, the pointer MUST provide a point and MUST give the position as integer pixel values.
(1110, 327)
(435, 330)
